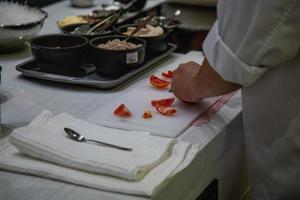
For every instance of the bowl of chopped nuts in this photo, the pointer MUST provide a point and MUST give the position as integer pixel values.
(116, 55)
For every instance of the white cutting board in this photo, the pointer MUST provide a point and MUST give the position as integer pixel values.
(138, 99)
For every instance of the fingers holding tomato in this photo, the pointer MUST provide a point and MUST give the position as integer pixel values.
(182, 82)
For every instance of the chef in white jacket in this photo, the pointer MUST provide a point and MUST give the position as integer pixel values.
(255, 45)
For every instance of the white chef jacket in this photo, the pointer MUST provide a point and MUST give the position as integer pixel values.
(256, 43)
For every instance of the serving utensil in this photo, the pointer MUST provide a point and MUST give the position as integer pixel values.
(172, 18)
(176, 13)
(109, 23)
(109, 20)
(142, 24)
(87, 29)
(80, 138)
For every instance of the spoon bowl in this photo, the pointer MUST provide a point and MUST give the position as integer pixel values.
(172, 19)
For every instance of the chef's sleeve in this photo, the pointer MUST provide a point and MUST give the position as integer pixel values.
(252, 36)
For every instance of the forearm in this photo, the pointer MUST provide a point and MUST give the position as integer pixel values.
(192, 82)
(208, 83)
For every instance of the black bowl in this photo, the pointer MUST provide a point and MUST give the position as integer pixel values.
(114, 63)
(156, 44)
(59, 52)
(69, 29)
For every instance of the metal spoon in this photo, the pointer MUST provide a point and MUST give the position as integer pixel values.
(82, 30)
(80, 138)
(175, 14)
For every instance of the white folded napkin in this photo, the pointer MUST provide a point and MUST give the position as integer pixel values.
(182, 155)
(45, 139)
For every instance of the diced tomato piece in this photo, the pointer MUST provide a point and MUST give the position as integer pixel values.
(122, 111)
(168, 74)
(166, 110)
(147, 115)
(159, 83)
(163, 102)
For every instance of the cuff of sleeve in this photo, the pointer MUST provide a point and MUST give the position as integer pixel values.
(226, 63)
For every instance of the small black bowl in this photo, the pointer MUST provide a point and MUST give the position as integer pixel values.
(69, 29)
(59, 52)
(156, 44)
(114, 63)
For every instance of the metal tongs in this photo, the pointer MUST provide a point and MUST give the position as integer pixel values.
(115, 16)
(105, 23)
(88, 29)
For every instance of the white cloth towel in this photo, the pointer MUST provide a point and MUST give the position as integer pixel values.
(182, 155)
(44, 138)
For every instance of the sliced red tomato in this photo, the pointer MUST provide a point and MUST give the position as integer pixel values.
(166, 110)
(159, 83)
(147, 115)
(163, 102)
(168, 74)
(122, 111)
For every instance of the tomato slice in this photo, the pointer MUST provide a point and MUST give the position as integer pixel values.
(159, 83)
(147, 115)
(163, 102)
(168, 74)
(122, 111)
(166, 110)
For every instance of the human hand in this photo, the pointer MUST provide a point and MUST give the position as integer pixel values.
(192, 82)
(181, 82)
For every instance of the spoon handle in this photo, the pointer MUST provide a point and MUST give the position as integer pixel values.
(109, 145)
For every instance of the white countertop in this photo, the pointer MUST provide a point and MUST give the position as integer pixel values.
(220, 140)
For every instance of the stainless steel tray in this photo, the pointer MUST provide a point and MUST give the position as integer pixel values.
(87, 76)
